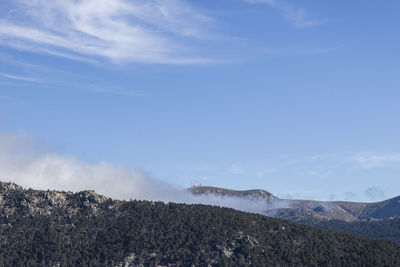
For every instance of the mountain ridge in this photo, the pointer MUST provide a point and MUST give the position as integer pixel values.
(57, 228)
(303, 210)
(252, 193)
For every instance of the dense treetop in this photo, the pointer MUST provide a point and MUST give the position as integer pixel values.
(89, 230)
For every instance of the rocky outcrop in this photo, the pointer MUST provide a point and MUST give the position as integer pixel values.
(15, 199)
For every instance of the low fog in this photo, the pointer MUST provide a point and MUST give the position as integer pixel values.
(24, 162)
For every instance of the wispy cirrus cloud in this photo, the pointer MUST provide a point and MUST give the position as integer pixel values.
(154, 31)
(367, 159)
(296, 16)
(51, 77)
(370, 159)
(18, 77)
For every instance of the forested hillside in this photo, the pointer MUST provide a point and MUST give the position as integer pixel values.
(84, 229)
(384, 229)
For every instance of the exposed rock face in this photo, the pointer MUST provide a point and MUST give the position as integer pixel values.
(13, 198)
(227, 250)
(9, 186)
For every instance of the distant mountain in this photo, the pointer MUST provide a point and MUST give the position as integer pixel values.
(310, 210)
(388, 229)
(381, 210)
(51, 228)
(378, 220)
(249, 194)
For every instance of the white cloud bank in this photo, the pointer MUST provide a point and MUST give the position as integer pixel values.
(23, 162)
(145, 31)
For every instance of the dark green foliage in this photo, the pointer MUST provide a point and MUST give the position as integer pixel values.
(178, 234)
(383, 229)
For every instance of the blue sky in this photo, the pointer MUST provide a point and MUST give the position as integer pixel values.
(296, 97)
